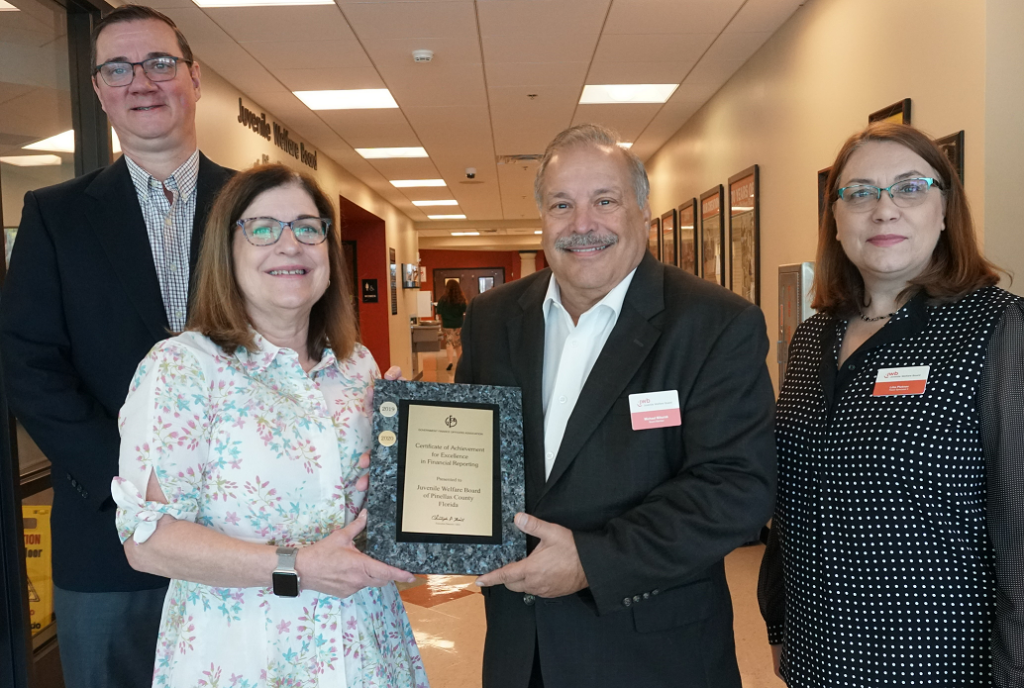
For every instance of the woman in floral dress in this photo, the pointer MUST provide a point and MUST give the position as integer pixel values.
(243, 449)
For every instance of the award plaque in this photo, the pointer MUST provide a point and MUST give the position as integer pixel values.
(446, 477)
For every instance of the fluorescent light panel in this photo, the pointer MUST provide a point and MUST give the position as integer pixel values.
(625, 144)
(447, 217)
(7, 7)
(594, 94)
(384, 153)
(423, 204)
(538, 231)
(30, 160)
(465, 233)
(64, 142)
(259, 3)
(410, 183)
(358, 99)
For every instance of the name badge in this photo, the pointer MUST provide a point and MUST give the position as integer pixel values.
(899, 381)
(655, 410)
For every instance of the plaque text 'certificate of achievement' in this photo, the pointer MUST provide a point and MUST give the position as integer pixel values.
(446, 477)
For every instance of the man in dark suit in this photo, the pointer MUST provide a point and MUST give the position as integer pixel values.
(99, 273)
(649, 449)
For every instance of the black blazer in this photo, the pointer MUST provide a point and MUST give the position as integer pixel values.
(653, 512)
(81, 308)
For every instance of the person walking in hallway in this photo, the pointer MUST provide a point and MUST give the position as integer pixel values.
(452, 307)
(100, 273)
(648, 442)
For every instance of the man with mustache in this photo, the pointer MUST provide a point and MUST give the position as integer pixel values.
(100, 272)
(648, 442)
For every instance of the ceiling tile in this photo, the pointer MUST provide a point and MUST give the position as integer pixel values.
(370, 128)
(504, 74)
(305, 54)
(693, 93)
(410, 168)
(519, 96)
(273, 24)
(527, 129)
(329, 79)
(736, 47)
(662, 127)
(447, 51)
(764, 15)
(402, 20)
(436, 85)
(638, 72)
(626, 119)
(670, 16)
(544, 30)
(653, 47)
(713, 72)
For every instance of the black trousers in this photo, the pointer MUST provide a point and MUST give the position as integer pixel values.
(108, 639)
(536, 680)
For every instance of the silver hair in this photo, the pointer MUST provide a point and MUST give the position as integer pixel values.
(593, 135)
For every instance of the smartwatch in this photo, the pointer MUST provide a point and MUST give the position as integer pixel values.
(285, 577)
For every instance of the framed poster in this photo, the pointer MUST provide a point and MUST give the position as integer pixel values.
(394, 281)
(822, 191)
(654, 238)
(712, 231)
(687, 236)
(953, 147)
(898, 112)
(668, 238)
(745, 235)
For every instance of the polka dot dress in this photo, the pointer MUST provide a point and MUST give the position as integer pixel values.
(888, 567)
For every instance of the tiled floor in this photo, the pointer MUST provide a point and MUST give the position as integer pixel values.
(447, 612)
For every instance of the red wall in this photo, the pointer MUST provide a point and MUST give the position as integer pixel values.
(367, 230)
(433, 259)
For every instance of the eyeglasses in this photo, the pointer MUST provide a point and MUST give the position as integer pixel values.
(905, 193)
(162, 68)
(265, 231)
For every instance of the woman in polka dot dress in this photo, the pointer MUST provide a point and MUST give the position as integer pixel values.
(897, 548)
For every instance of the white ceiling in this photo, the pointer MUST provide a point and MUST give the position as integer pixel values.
(505, 78)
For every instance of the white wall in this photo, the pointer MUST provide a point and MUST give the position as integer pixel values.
(223, 139)
(791, 106)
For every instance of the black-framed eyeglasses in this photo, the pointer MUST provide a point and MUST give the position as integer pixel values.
(162, 68)
(905, 193)
(265, 231)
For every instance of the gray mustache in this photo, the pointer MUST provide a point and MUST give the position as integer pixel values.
(585, 240)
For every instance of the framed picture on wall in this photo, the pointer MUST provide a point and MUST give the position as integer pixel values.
(668, 238)
(686, 215)
(745, 234)
(712, 236)
(822, 191)
(654, 238)
(898, 112)
(953, 147)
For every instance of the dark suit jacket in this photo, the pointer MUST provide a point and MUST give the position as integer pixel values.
(81, 308)
(653, 512)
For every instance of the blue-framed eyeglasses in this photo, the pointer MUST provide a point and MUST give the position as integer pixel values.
(121, 73)
(265, 231)
(905, 193)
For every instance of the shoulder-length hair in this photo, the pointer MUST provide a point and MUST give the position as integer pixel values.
(453, 293)
(957, 266)
(219, 307)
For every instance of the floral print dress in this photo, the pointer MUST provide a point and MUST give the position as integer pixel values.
(255, 448)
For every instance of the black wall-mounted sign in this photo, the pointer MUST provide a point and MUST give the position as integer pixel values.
(370, 291)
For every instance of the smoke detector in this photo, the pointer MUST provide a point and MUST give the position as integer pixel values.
(422, 55)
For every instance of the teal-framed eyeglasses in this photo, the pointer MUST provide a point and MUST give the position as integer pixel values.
(265, 231)
(905, 193)
(121, 73)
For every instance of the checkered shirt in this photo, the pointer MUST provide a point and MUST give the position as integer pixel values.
(169, 225)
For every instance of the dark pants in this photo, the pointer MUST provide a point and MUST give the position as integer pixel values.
(536, 679)
(108, 639)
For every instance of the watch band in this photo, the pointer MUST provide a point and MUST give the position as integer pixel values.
(285, 578)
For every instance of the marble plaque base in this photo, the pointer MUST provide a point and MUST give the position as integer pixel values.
(383, 540)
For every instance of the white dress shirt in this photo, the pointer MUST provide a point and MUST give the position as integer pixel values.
(570, 352)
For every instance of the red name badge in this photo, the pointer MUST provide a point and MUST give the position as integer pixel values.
(655, 410)
(899, 381)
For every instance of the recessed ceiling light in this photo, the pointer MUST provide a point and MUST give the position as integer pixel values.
(447, 217)
(30, 160)
(428, 203)
(538, 231)
(259, 3)
(64, 142)
(465, 233)
(625, 144)
(7, 7)
(379, 153)
(408, 183)
(358, 99)
(627, 93)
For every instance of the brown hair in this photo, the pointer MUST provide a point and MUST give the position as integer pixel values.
(219, 308)
(957, 266)
(453, 293)
(130, 13)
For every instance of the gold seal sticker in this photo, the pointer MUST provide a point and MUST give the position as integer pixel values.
(388, 409)
(387, 438)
